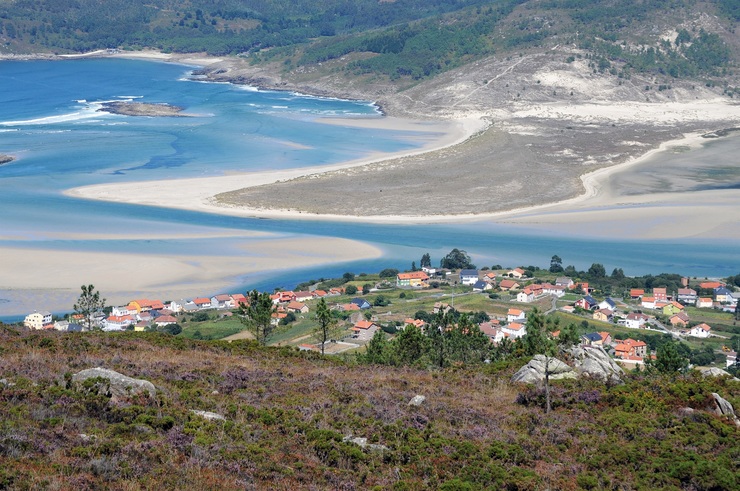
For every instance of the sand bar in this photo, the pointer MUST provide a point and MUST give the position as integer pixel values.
(46, 279)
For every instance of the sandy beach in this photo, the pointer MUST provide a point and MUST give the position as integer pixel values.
(41, 279)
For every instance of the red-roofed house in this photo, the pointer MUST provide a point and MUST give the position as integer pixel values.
(635, 320)
(660, 294)
(636, 293)
(514, 330)
(700, 331)
(238, 298)
(606, 338)
(165, 320)
(516, 273)
(704, 303)
(648, 302)
(413, 279)
(414, 322)
(144, 305)
(202, 302)
(364, 330)
(515, 315)
(679, 320)
(222, 301)
(297, 307)
(710, 284)
(629, 348)
(507, 285)
(604, 315)
(118, 323)
(302, 296)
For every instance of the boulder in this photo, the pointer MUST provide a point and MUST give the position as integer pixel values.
(593, 361)
(208, 415)
(417, 400)
(534, 371)
(362, 443)
(722, 407)
(717, 372)
(119, 386)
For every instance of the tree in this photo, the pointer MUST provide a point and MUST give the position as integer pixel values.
(409, 346)
(88, 304)
(456, 259)
(366, 288)
(568, 336)
(350, 290)
(257, 316)
(426, 261)
(556, 264)
(377, 349)
(413, 266)
(326, 324)
(668, 359)
(388, 273)
(381, 301)
(597, 270)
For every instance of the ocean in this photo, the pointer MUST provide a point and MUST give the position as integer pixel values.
(49, 120)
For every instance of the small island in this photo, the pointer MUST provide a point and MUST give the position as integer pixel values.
(142, 109)
(6, 159)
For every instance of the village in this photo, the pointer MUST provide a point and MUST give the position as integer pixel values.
(392, 300)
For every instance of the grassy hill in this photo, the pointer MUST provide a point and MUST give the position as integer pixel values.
(287, 414)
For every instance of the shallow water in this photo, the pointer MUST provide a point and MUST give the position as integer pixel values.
(49, 120)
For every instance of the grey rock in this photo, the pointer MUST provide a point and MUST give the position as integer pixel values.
(686, 411)
(723, 408)
(417, 400)
(4, 382)
(208, 415)
(717, 372)
(534, 371)
(595, 362)
(119, 386)
(362, 443)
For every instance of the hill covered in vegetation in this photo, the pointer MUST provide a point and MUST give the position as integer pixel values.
(402, 40)
(239, 416)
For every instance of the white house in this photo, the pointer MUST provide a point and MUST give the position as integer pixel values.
(38, 320)
(469, 276)
(121, 311)
(608, 303)
(704, 303)
(525, 296)
(515, 315)
(700, 331)
(635, 320)
(222, 301)
(515, 330)
(117, 322)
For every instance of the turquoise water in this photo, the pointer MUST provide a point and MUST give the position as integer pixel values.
(49, 120)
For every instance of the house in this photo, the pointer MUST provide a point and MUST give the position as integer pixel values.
(648, 302)
(564, 281)
(319, 293)
(347, 307)
(630, 349)
(635, 320)
(364, 330)
(144, 317)
(672, 307)
(441, 307)
(174, 307)
(238, 299)
(481, 286)
(144, 305)
(679, 320)
(507, 285)
(415, 279)
(492, 331)
(660, 294)
(222, 301)
(38, 320)
(604, 315)
(557, 290)
(414, 322)
(731, 359)
(515, 315)
(121, 311)
(202, 303)
(303, 296)
(297, 307)
(282, 297)
(710, 285)
(704, 303)
(687, 295)
(723, 295)
(517, 273)
(189, 306)
(606, 338)
(636, 293)
(525, 295)
(592, 338)
(361, 302)
(468, 276)
(587, 303)
(490, 277)
(608, 303)
(276, 317)
(165, 320)
(514, 330)
(700, 331)
(117, 322)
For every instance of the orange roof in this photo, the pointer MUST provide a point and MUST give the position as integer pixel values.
(704, 326)
(637, 292)
(363, 324)
(514, 312)
(710, 284)
(604, 335)
(514, 326)
(199, 301)
(648, 299)
(634, 343)
(414, 275)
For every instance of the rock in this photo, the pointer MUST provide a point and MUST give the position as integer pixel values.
(723, 408)
(417, 400)
(4, 382)
(685, 411)
(534, 371)
(717, 372)
(119, 386)
(595, 362)
(362, 443)
(208, 415)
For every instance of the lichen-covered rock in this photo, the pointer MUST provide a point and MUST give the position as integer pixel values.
(362, 443)
(119, 386)
(208, 415)
(723, 408)
(595, 362)
(534, 371)
(717, 372)
(417, 400)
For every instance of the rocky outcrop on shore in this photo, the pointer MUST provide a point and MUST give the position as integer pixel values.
(4, 159)
(142, 109)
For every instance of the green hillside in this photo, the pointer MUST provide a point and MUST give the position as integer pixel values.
(403, 39)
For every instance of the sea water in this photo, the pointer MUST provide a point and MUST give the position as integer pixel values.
(49, 120)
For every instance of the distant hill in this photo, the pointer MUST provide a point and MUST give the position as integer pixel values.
(399, 41)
